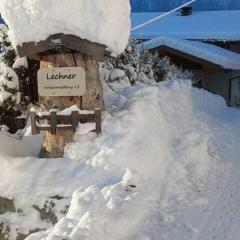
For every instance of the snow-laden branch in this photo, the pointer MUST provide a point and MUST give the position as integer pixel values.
(162, 16)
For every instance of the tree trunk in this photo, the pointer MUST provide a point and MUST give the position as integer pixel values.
(53, 146)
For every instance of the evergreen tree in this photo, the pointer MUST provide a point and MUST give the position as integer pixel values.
(8, 55)
(13, 78)
(131, 66)
(165, 70)
(137, 64)
(9, 91)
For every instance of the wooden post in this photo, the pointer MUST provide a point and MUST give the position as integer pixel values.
(98, 121)
(55, 142)
(33, 123)
(53, 123)
(75, 120)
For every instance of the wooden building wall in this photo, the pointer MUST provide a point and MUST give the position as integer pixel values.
(229, 45)
(213, 78)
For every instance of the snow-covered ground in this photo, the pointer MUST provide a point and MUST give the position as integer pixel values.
(165, 167)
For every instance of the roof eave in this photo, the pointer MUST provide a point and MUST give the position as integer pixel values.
(56, 42)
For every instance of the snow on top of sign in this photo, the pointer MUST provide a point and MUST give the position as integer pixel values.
(206, 25)
(217, 55)
(102, 21)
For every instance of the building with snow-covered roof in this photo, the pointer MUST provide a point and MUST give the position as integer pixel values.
(205, 42)
(218, 27)
(202, 25)
(218, 68)
(203, 53)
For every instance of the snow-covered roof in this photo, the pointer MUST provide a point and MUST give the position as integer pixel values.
(206, 25)
(105, 22)
(208, 52)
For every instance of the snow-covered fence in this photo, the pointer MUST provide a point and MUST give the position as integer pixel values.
(53, 122)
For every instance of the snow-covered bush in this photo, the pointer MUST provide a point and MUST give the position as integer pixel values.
(8, 53)
(165, 70)
(11, 109)
(137, 64)
(132, 65)
(13, 81)
(9, 88)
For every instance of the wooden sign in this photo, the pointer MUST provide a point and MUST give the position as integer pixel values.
(62, 81)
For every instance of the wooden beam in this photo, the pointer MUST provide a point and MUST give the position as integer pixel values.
(64, 122)
(31, 49)
(53, 123)
(34, 127)
(98, 121)
(75, 120)
(65, 119)
(62, 43)
(84, 46)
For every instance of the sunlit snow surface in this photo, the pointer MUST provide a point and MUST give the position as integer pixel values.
(154, 173)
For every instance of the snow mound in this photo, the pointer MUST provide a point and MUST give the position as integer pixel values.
(11, 147)
(161, 148)
(102, 21)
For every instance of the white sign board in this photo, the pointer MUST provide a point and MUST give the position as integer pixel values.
(61, 81)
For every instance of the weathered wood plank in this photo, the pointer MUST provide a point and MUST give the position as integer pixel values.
(84, 46)
(53, 123)
(65, 119)
(75, 120)
(92, 99)
(58, 128)
(34, 124)
(62, 43)
(98, 121)
(53, 145)
(65, 122)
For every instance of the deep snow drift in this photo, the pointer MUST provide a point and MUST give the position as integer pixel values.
(102, 21)
(163, 147)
